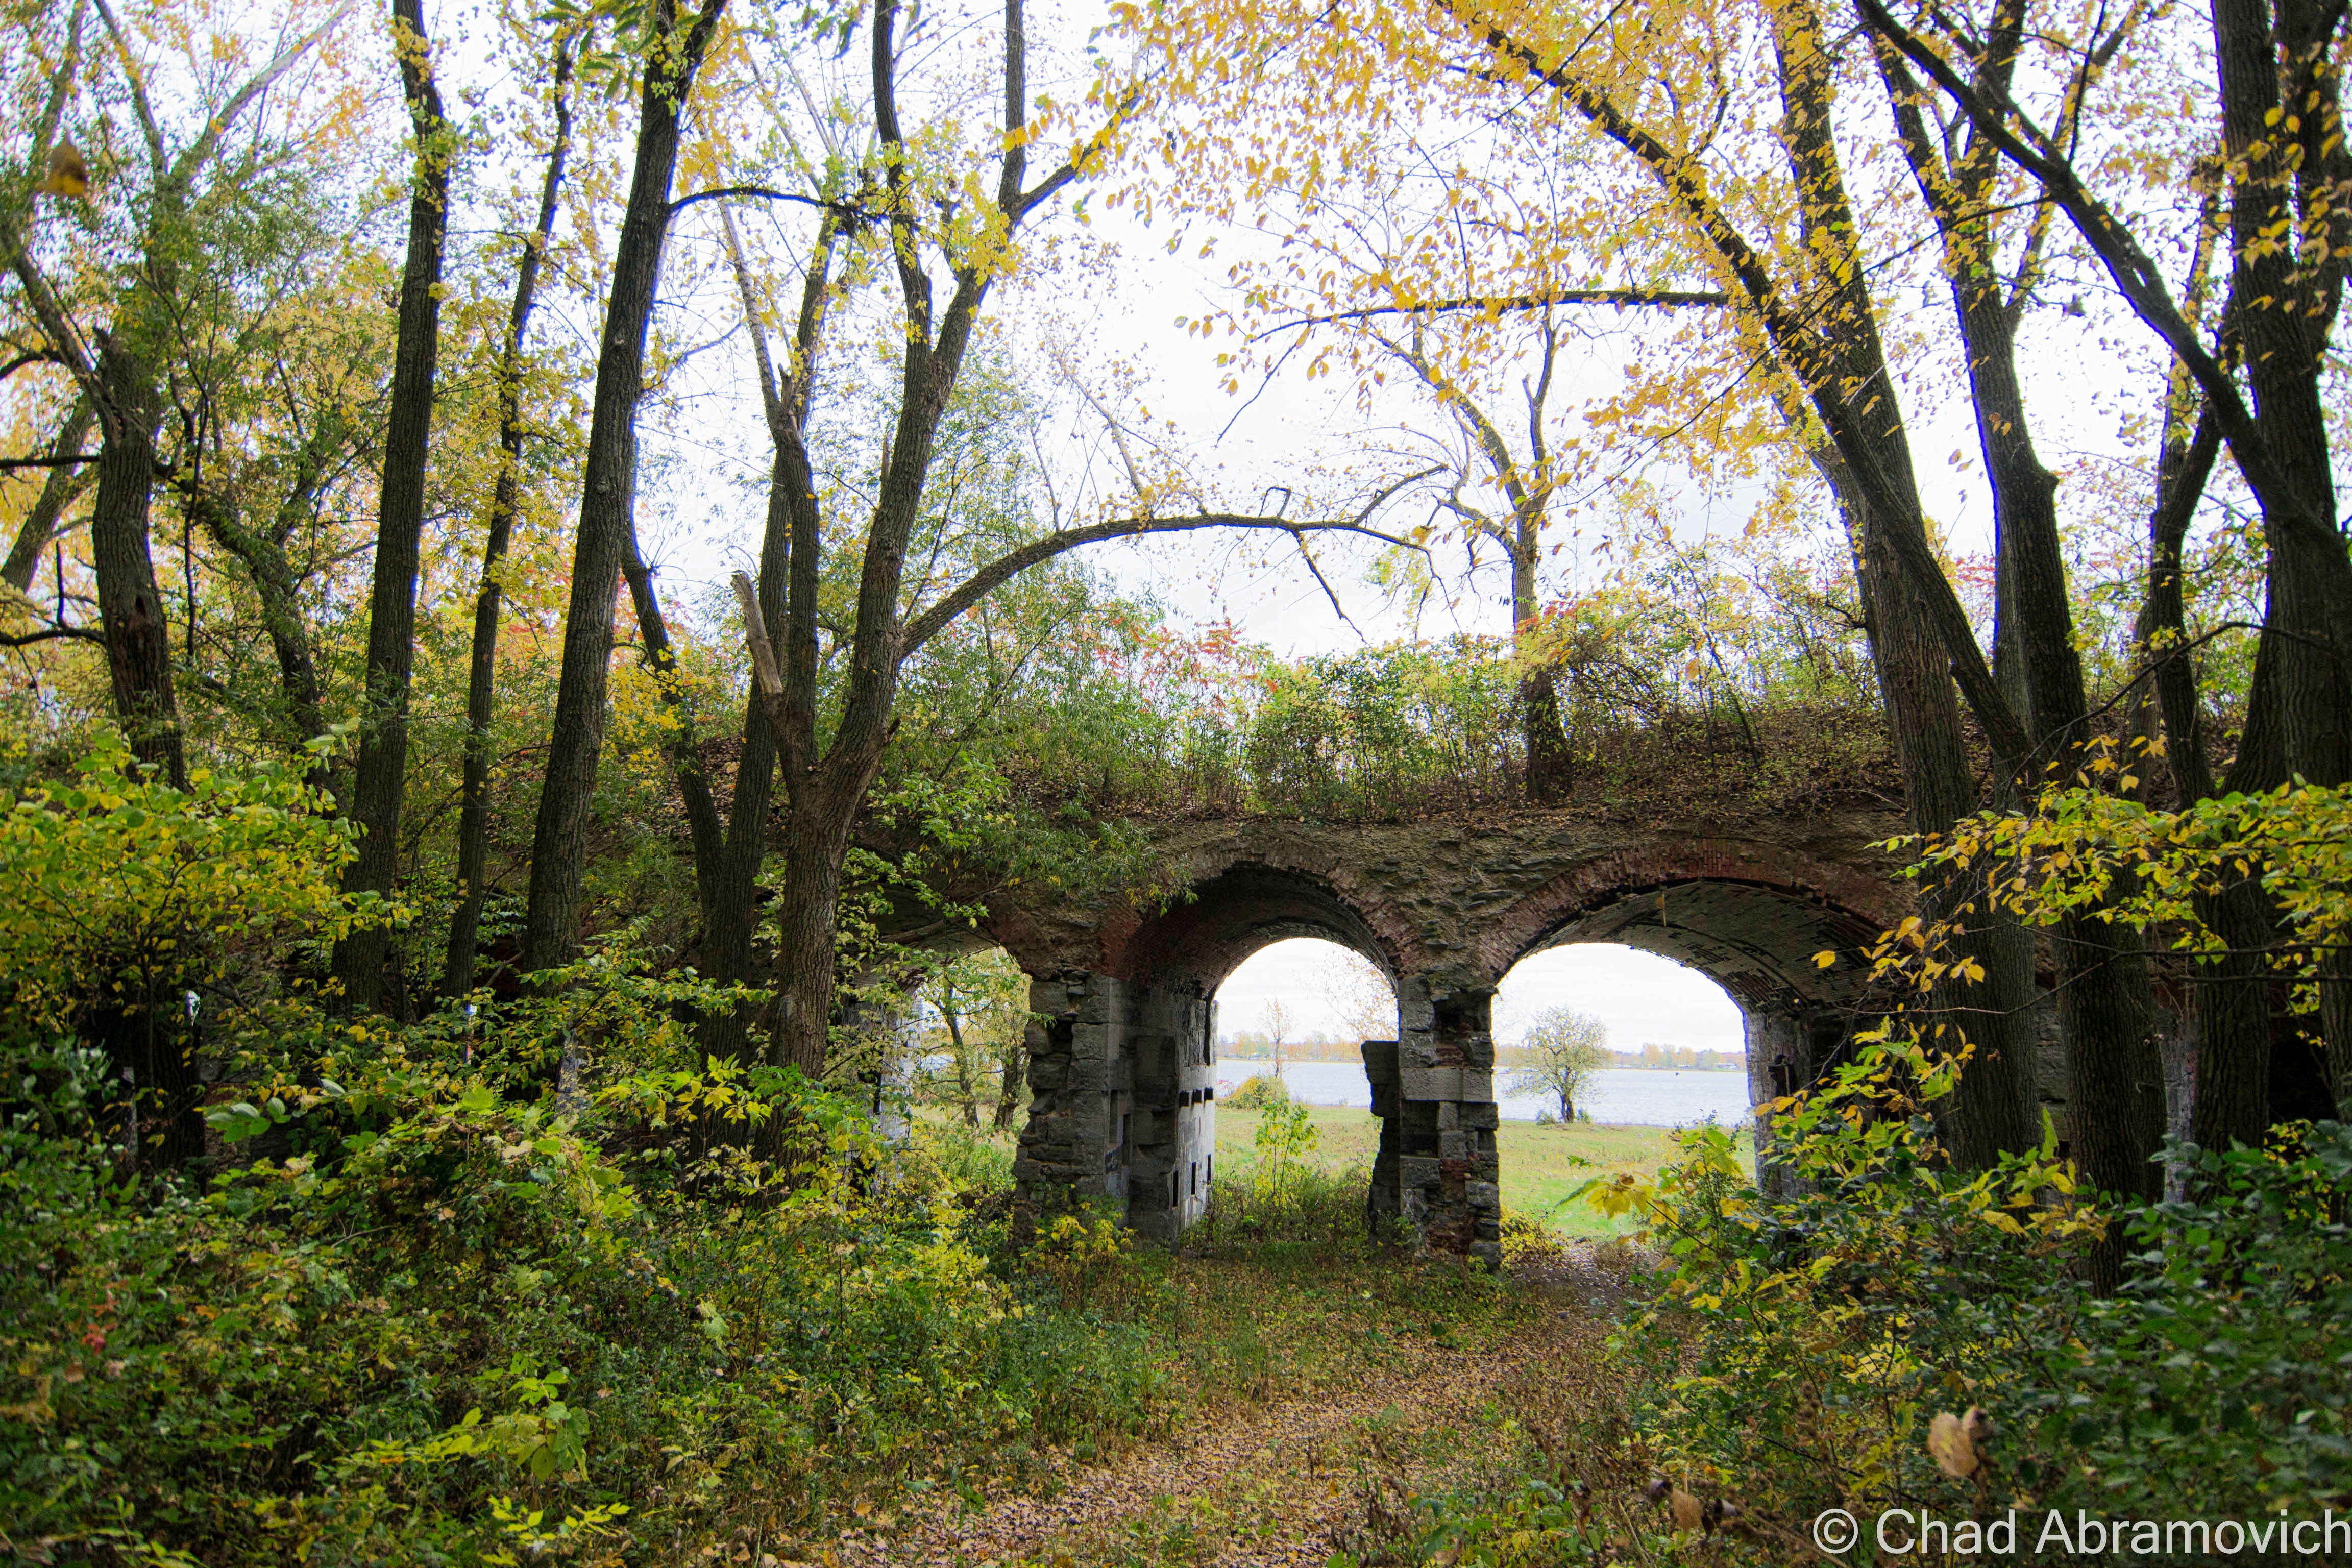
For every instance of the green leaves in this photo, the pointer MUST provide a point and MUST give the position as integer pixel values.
(119, 881)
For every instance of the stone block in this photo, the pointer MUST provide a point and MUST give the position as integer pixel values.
(1380, 1061)
(1484, 1195)
(1449, 1115)
(1477, 1086)
(1453, 1143)
(1484, 1118)
(1415, 1171)
(1430, 1082)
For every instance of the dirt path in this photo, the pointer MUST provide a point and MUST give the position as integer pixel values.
(1277, 1486)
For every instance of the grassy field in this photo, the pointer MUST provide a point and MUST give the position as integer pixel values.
(1540, 1165)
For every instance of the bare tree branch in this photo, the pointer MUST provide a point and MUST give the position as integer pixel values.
(1666, 298)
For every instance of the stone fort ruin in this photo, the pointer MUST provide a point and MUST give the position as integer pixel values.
(1121, 1047)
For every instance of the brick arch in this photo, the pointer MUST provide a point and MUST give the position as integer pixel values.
(1237, 904)
(1750, 916)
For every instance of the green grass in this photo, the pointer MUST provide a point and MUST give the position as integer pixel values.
(1539, 1165)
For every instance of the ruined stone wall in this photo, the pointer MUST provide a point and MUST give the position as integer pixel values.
(1122, 1079)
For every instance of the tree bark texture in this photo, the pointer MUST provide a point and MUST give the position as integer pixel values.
(138, 637)
(482, 666)
(560, 839)
(383, 773)
(2284, 298)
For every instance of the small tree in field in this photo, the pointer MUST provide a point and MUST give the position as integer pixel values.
(1277, 1029)
(1563, 1050)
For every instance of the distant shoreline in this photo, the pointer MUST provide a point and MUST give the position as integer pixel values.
(1736, 1065)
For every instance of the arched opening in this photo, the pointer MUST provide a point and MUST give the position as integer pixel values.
(1125, 1063)
(1752, 944)
(1611, 1034)
(1300, 1009)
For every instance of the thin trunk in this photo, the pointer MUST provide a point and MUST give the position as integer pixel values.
(482, 694)
(560, 840)
(1551, 764)
(730, 909)
(266, 566)
(57, 492)
(2232, 994)
(962, 1059)
(361, 959)
(2116, 1088)
(1551, 767)
(707, 838)
(138, 638)
(1008, 1092)
(730, 901)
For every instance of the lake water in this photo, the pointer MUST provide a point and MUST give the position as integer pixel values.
(1634, 1096)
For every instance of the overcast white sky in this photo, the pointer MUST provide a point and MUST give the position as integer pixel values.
(1640, 996)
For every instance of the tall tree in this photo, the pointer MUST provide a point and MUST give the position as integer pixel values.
(938, 210)
(2288, 182)
(2103, 991)
(481, 680)
(673, 55)
(121, 366)
(383, 773)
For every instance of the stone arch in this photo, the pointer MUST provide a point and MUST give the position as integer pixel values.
(1193, 943)
(1749, 917)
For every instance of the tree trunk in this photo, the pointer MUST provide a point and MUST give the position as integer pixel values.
(266, 564)
(2285, 295)
(962, 1059)
(2116, 1086)
(1851, 389)
(57, 492)
(1008, 1092)
(383, 773)
(138, 637)
(1567, 1108)
(816, 842)
(607, 502)
(481, 680)
(2232, 994)
(1551, 765)
(729, 900)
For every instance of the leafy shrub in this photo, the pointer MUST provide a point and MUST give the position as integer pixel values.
(1796, 1350)
(1259, 1090)
(1792, 1355)
(415, 1305)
